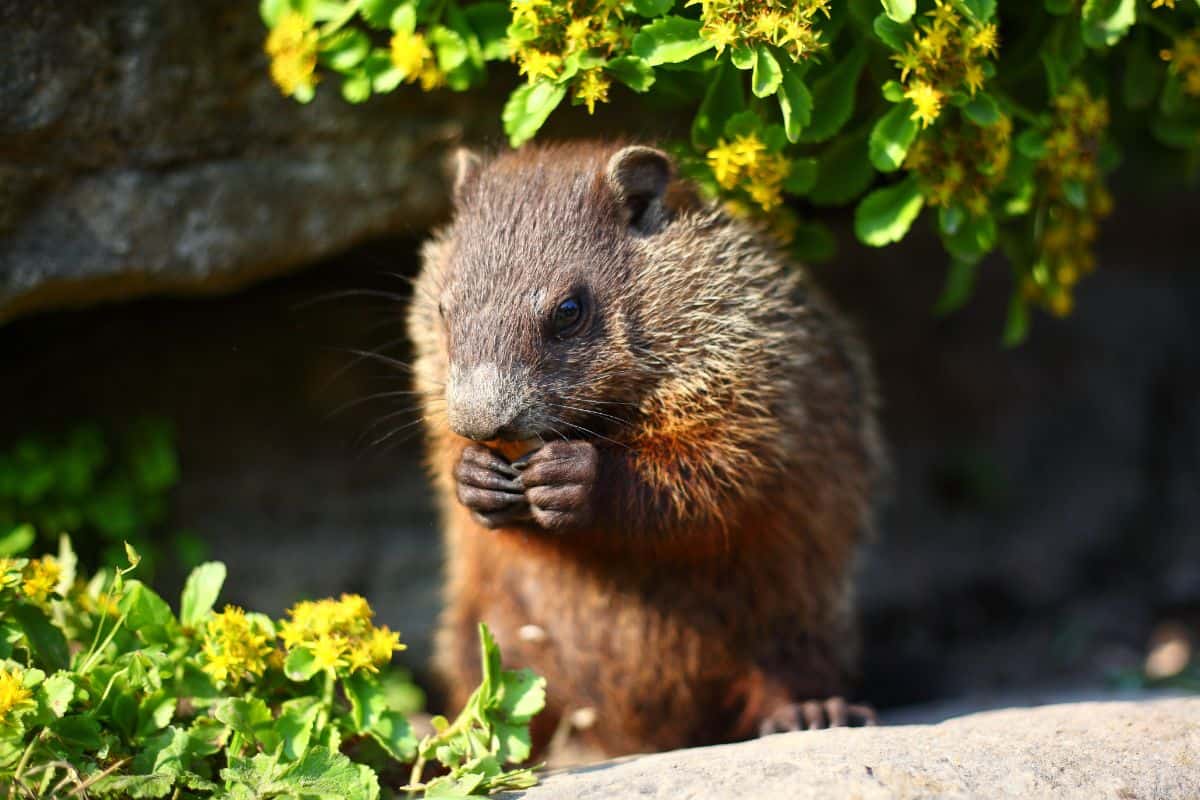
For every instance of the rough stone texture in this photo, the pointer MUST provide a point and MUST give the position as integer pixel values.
(144, 149)
(1090, 751)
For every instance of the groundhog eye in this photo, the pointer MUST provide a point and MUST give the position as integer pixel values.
(567, 314)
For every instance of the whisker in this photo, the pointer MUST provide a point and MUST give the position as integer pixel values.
(344, 293)
(618, 420)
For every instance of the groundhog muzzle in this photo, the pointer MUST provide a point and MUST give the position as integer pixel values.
(655, 448)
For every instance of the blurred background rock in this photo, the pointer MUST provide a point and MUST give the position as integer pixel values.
(1045, 521)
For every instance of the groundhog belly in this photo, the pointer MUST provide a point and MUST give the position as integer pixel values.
(654, 656)
(641, 667)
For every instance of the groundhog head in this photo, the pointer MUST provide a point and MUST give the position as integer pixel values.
(539, 332)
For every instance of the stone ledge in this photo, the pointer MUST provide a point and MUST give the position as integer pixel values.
(1120, 750)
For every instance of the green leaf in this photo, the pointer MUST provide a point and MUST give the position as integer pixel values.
(1016, 325)
(796, 103)
(404, 19)
(900, 10)
(631, 71)
(17, 540)
(357, 88)
(200, 593)
(522, 693)
(147, 614)
(58, 691)
(982, 110)
(1031, 144)
(813, 243)
(451, 48)
(891, 137)
(723, 99)
(1060, 7)
(490, 23)
(327, 774)
(1106, 21)
(894, 34)
(1142, 76)
(367, 700)
(78, 731)
(981, 10)
(345, 50)
(514, 742)
(47, 642)
(972, 239)
(833, 97)
(300, 664)
(378, 13)
(885, 215)
(272, 10)
(845, 171)
(652, 8)
(742, 56)
(767, 74)
(527, 109)
(802, 176)
(669, 40)
(247, 716)
(294, 726)
(394, 735)
(893, 91)
(960, 279)
(741, 124)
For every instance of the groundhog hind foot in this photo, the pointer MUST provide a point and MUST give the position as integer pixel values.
(811, 715)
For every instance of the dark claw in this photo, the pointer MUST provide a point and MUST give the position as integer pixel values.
(834, 712)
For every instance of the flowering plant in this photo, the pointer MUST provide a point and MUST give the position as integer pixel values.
(106, 692)
(996, 121)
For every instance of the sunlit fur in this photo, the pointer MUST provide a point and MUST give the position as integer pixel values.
(729, 391)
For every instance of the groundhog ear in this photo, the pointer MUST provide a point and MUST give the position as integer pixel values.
(466, 168)
(639, 176)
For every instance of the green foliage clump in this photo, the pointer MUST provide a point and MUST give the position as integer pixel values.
(106, 693)
(995, 124)
(105, 489)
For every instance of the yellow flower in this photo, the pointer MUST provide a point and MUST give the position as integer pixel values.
(383, 643)
(747, 147)
(722, 33)
(235, 648)
(934, 41)
(410, 53)
(13, 694)
(725, 165)
(986, 40)
(1161, 3)
(767, 24)
(973, 77)
(592, 88)
(329, 651)
(579, 33)
(292, 45)
(535, 64)
(40, 578)
(927, 102)
(908, 61)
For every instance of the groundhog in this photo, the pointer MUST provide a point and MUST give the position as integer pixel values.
(655, 447)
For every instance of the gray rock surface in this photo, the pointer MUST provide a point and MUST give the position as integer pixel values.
(144, 149)
(1124, 751)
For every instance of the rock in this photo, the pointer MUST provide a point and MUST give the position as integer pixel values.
(1119, 750)
(144, 149)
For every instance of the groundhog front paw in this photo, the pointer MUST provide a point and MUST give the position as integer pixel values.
(816, 714)
(560, 481)
(490, 487)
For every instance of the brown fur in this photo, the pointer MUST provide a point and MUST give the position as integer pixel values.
(739, 457)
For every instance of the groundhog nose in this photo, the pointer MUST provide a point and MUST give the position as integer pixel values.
(482, 403)
(482, 431)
